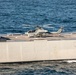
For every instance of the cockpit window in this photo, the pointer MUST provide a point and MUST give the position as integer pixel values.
(31, 31)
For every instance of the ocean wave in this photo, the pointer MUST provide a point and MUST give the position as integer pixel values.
(39, 68)
(71, 61)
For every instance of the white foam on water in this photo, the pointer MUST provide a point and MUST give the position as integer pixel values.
(26, 26)
(71, 61)
(48, 26)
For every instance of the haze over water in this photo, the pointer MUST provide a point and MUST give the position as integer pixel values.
(19, 16)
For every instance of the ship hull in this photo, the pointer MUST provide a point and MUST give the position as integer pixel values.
(37, 50)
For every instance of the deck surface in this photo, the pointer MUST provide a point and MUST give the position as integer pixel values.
(23, 37)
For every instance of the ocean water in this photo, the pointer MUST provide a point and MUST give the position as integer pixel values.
(19, 16)
(39, 68)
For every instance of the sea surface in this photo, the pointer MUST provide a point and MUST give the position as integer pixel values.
(39, 68)
(19, 16)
